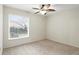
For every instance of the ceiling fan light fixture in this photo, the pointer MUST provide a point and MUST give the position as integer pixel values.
(45, 7)
(43, 12)
(51, 7)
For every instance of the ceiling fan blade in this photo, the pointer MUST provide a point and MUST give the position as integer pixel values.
(36, 12)
(51, 10)
(42, 6)
(36, 8)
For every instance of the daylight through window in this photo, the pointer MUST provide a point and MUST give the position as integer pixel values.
(18, 26)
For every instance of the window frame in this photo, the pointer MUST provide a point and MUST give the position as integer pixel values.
(9, 27)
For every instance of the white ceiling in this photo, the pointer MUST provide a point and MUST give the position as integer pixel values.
(28, 7)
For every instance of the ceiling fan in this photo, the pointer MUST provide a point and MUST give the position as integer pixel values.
(44, 9)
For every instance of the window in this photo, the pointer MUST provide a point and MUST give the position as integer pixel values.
(18, 26)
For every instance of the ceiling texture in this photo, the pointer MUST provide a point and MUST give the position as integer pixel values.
(28, 7)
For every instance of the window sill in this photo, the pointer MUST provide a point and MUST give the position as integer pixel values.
(18, 38)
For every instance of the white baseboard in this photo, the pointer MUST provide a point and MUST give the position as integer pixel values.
(66, 43)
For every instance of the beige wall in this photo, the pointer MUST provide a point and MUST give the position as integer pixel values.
(37, 28)
(1, 28)
(63, 27)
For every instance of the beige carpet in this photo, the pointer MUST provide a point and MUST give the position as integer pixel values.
(43, 47)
